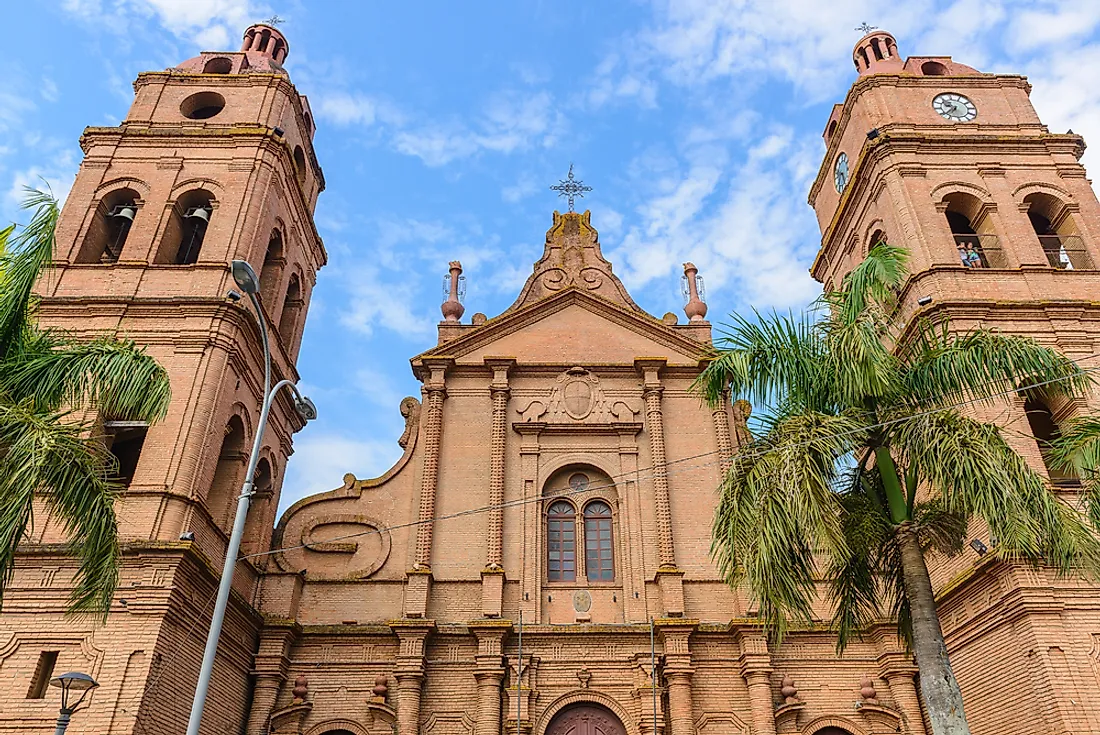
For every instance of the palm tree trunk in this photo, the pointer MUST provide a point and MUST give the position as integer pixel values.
(938, 686)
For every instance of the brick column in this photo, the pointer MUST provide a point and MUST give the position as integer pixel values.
(900, 673)
(492, 578)
(721, 418)
(756, 670)
(435, 392)
(678, 672)
(489, 675)
(409, 672)
(270, 667)
(651, 391)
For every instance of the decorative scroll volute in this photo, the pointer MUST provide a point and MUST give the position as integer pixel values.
(572, 258)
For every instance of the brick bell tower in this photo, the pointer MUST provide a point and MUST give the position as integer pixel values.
(1003, 231)
(213, 162)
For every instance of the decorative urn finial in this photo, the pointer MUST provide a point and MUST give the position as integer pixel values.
(452, 308)
(867, 691)
(301, 689)
(695, 308)
(789, 690)
(381, 688)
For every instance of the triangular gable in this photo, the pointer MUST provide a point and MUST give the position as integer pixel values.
(571, 322)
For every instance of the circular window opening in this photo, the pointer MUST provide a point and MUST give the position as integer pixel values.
(219, 65)
(933, 69)
(202, 105)
(578, 481)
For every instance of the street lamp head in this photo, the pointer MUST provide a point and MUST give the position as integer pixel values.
(305, 408)
(74, 681)
(245, 277)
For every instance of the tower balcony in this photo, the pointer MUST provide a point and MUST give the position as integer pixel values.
(1066, 252)
(980, 251)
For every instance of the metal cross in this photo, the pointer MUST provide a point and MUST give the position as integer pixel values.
(570, 187)
(274, 21)
(866, 28)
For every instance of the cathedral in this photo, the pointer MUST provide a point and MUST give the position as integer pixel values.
(537, 562)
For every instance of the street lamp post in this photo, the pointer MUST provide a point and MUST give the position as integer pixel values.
(74, 681)
(247, 281)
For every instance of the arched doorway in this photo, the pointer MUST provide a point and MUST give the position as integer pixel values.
(585, 719)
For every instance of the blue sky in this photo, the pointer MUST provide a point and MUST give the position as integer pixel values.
(441, 126)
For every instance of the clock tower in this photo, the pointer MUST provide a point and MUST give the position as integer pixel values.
(1002, 228)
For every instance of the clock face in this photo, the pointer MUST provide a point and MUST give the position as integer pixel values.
(954, 107)
(840, 173)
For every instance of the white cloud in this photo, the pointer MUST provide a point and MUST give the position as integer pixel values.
(209, 24)
(55, 174)
(321, 460)
(48, 90)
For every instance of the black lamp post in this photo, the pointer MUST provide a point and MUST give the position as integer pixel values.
(70, 684)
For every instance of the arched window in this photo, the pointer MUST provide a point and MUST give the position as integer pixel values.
(830, 131)
(976, 247)
(218, 65)
(292, 308)
(1057, 232)
(125, 440)
(876, 49)
(227, 475)
(599, 557)
(933, 69)
(561, 542)
(271, 275)
(109, 228)
(300, 164)
(186, 228)
(878, 237)
(1044, 428)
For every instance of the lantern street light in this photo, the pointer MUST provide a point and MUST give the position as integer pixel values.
(69, 684)
(246, 280)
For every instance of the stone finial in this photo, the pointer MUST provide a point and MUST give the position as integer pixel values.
(867, 691)
(695, 309)
(301, 689)
(381, 688)
(789, 690)
(452, 308)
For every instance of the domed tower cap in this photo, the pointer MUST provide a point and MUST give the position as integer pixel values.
(877, 53)
(266, 39)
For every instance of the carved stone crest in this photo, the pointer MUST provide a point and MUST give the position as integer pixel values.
(578, 397)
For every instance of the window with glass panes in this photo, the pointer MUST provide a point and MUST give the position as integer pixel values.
(598, 558)
(561, 543)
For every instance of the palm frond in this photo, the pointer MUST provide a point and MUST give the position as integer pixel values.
(776, 356)
(47, 454)
(873, 282)
(116, 377)
(1078, 449)
(855, 586)
(777, 507)
(982, 363)
(25, 256)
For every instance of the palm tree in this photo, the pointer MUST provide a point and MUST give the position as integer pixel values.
(866, 461)
(51, 457)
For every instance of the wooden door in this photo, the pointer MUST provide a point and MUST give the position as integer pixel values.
(585, 720)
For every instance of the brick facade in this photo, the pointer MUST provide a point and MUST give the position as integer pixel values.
(371, 618)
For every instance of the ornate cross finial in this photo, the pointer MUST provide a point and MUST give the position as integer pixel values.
(866, 28)
(274, 21)
(570, 188)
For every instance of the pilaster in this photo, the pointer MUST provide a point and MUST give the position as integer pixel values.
(409, 671)
(270, 669)
(489, 673)
(720, 417)
(492, 579)
(900, 672)
(756, 670)
(435, 392)
(649, 368)
(678, 671)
